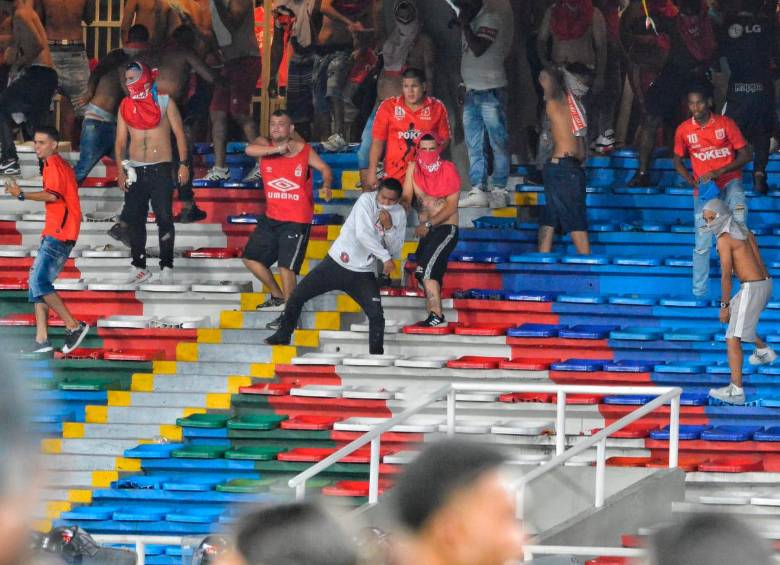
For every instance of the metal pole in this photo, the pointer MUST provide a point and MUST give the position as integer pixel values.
(674, 432)
(451, 413)
(140, 551)
(373, 471)
(300, 491)
(601, 455)
(560, 423)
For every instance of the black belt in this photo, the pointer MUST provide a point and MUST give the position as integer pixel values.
(65, 43)
(564, 160)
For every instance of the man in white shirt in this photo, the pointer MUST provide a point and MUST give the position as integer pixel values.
(374, 231)
(488, 29)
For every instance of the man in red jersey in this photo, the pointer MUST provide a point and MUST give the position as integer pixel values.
(718, 151)
(63, 220)
(283, 231)
(399, 122)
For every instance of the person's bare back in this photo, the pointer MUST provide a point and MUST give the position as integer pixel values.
(745, 258)
(565, 143)
(63, 18)
(152, 14)
(174, 65)
(29, 36)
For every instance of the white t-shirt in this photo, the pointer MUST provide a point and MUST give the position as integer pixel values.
(496, 23)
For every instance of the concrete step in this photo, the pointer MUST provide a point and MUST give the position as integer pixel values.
(132, 415)
(149, 400)
(71, 462)
(104, 446)
(116, 432)
(234, 353)
(195, 383)
(417, 345)
(68, 479)
(212, 368)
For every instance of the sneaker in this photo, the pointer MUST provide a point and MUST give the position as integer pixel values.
(190, 215)
(641, 179)
(730, 394)
(73, 338)
(166, 276)
(765, 356)
(476, 198)
(10, 167)
(217, 173)
(274, 324)
(432, 321)
(138, 276)
(334, 143)
(498, 198)
(119, 233)
(35, 347)
(774, 144)
(272, 304)
(276, 339)
(605, 142)
(253, 175)
(759, 183)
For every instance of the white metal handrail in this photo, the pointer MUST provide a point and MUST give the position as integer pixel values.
(663, 394)
(532, 551)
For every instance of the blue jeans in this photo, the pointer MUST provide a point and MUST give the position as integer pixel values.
(97, 140)
(47, 267)
(485, 110)
(734, 197)
(366, 139)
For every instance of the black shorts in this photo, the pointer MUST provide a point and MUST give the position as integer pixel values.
(433, 252)
(752, 106)
(664, 98)
(278, 242)
(564, 193)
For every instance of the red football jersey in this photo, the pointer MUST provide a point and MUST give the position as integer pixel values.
(711, 146)
(399, 127)
(288, 187)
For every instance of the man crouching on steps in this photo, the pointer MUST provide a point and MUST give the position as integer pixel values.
(739, 256)
(63, 221)
(374, 231)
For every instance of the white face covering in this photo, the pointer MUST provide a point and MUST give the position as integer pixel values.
(724, 222)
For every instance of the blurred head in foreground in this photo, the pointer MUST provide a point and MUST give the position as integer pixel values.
(458, 507)
(18, 472)
(709, 539)
(291, 534)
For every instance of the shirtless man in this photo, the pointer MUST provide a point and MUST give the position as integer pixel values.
(564, 177)
(432, 185)
(31, 91)
(62, 21)
(406, 47)
(740, 257)
(332, 60)
(149, 119)
(154, 15)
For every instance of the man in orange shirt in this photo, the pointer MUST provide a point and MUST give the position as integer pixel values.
(63, 220)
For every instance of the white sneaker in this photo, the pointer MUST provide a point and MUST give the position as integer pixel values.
(605, 142)
(138, 276)
(765, 356)
(730, 394)
(334, 143)
(498, 198)
(476, 198)
(253, 175)
(166, 276)
(774, 145)
(217, 173)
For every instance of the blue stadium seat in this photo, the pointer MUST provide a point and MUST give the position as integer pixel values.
(628, 399)
(603, 227)
(687, 432)
(89, 513)
(531, 296)
(637, 261)
(195, 515)
(678, 262)
(141, 513)
(681, 367)
(768, 434)
(636, 334)
(541, 258)
(627, 366)
(535, 330)
(632, 300)
(478, 258)
(683, 302)
(587, 331)
(192, 482)
(689, 334)
(730, 433)
(153, 450)
(585, 260)
(579, 365)
(243, 219)
(487, 294)
(493, 223)
(582, 298)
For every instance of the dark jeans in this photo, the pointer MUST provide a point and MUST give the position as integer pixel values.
(97, 140)
(329, 276)
(29, 94)
(155, 183)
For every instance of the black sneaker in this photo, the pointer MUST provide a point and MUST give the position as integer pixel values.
(74, 338)
(273, 304)
(276, 339)
(34, 347)
(432, 321)
(119, 233)
(190, 215)
(10, 167)
(274, 324)
(641, 179)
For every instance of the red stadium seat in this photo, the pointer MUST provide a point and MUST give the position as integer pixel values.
(480, 330)
(266, 389)
(310, 422)
(475, 362)
(732, 464)
(213, 253)
(525, 364)
(134, 355)
(420, 330)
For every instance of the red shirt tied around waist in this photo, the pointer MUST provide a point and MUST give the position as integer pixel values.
(711, 146)
(288, 187)
(400, 127)
(63, 216)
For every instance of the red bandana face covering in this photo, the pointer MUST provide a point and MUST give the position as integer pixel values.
(435, 177)
(697, 34)
(140, 109)
(571, 19)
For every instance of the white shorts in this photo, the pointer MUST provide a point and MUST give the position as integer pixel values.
(746, 308)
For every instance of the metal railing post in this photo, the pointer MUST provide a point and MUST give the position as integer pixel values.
(300, 491)
(140, 551)
(373, 471)
(674, 432)
(560, 423)
(601, 464)
(451, 413)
